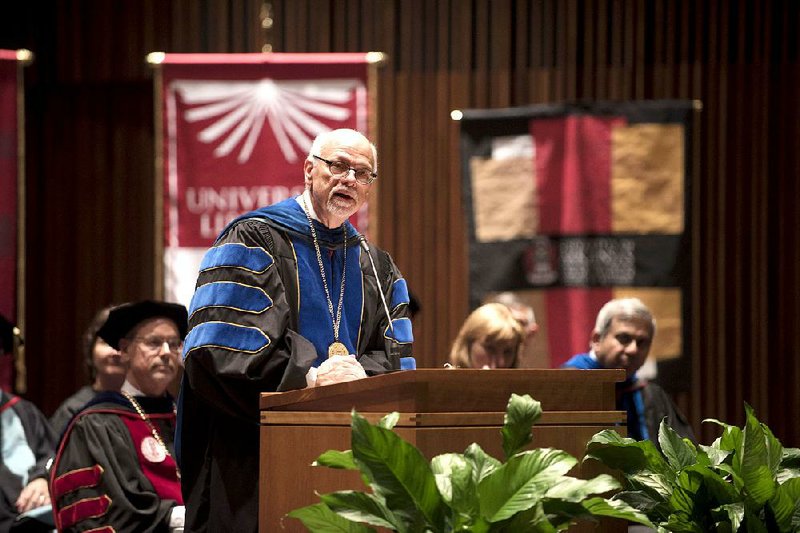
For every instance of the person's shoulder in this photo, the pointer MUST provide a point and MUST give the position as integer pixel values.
(21, 405)
(581, 361)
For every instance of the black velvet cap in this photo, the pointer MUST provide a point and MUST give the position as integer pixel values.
(123, 318)
(6, 335)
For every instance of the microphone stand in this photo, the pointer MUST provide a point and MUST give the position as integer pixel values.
(394, 355)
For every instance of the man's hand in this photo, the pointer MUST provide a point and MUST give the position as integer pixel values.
(338, 369)
(35, 494)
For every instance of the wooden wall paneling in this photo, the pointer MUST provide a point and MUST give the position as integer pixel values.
(571, 45)
(387, 134)
(586, 40)
(444, 306)
(451, 309)
(427, 154)
(500, 44)
(522, 35)
(758, 58)
(216, 25)
(787, 164)
(599, 89)
(479, 85)
(701, 352)
(186, 36)
(403, 151)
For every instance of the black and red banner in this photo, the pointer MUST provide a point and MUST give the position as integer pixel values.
(9, 190)
(570, 206)
(236, 129)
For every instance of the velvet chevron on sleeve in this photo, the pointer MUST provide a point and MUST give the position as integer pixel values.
(259, 320)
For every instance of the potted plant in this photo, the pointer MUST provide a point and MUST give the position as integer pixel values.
(744, 481)
(469, 491)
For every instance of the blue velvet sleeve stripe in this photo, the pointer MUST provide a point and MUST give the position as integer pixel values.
(227, 336)
(236, 255)
(402, 331)
(228, 294)
(399, 293)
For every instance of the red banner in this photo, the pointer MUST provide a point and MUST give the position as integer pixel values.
(8, 200)
(236, 130)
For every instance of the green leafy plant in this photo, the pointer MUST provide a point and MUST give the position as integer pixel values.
(471, 491)
(744, 481)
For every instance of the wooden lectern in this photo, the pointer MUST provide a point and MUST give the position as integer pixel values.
(440, 411)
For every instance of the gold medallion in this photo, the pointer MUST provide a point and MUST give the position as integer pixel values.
(337, 348)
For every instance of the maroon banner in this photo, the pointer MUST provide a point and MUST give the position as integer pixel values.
(236, 130)
(8, 200)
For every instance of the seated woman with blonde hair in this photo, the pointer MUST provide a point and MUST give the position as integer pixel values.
(489, 338)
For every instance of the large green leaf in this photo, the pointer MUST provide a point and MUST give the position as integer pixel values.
(561, 513)
(483, 464)
(389, 421)
(397, 470)
(734, 514)
(715, 455)
(685, 497)
(656, 508)
(362, 507)
(785, 505)
(755, 463)
(627, 455)
(753, 523)
(336, 459)
(521, 413)
(718, 489)
(785, 474)
(533, 520)
(456, 483)
(576, 490)
(521, 482)
(681, 523)
(318, 518)
(774, 449)
(616, 509)
(731, 440)
(791, 458)
(655, 484)
(679, 452)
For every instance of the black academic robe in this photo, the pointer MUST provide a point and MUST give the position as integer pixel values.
(70, 407)
(258, 321)
(22, 423)
(110, 472)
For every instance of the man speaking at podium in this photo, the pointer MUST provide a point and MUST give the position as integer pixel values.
(286, 298)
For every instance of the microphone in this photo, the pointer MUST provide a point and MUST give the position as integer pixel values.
(363, 242)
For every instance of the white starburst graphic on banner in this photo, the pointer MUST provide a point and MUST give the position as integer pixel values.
(294, 110)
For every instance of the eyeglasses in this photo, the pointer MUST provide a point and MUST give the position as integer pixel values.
(364, 176)
(154, 344)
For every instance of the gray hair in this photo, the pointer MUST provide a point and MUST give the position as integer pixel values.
(623, 309)
(326, 137)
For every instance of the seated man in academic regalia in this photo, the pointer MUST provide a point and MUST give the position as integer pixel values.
(622, 336)
(115, 468)
(27, 443)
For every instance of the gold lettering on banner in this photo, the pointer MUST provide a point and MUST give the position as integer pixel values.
(215, 207)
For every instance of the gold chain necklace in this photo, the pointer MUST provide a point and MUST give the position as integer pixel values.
(336, 347)
(153, 430)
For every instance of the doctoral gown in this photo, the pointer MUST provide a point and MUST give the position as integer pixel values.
(259, 320)
(110, 473)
